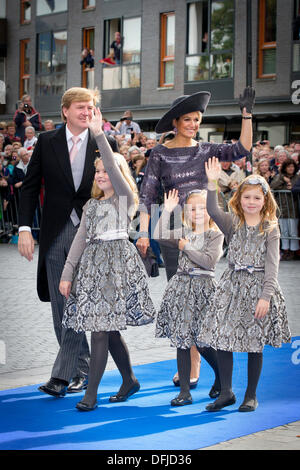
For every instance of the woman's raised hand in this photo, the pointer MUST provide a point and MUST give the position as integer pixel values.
(171, 200)
(213, 170)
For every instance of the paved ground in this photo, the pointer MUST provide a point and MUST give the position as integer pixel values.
(28, 346)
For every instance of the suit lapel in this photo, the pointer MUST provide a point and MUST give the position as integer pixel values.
(60, 147)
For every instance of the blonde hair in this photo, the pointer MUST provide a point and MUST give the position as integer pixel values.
(188, 223)
(97, 193)
(76, 94)
(268, 213)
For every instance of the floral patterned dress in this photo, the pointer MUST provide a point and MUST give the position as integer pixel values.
(252, 274)
(111, 287)
(189, 293)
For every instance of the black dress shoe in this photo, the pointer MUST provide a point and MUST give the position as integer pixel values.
(77, 385)
(181, 401)
(219, 404)
(119, 397)
(81, 406)
(55, 387)
(249, 404)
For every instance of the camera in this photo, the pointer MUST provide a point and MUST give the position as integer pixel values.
(27, 108)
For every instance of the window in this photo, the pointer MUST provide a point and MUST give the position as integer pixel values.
(267, 39)
(210, 40)
(24, 67)
(51, 63)
(25, 11)
(47, 7)
(167, 49)
(88, 72)
(296, 36)
(89, 4)
(122, 44)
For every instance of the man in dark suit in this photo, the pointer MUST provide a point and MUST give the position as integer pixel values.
(64, 159)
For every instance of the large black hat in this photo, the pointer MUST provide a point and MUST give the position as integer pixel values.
(183, 105)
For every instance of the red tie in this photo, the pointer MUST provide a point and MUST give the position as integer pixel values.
(74, 148)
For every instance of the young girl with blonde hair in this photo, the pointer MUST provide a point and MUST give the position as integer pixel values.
(189, 292)
(110, 289)
(249, 308)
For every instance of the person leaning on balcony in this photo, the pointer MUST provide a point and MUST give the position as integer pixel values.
(179, 164)
(116, 48)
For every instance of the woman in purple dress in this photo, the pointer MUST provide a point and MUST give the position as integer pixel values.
(179, 164)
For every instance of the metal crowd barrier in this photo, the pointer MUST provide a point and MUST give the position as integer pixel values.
(288, 206)
(9, 218)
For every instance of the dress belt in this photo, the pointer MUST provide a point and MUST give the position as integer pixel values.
(194, 272)
(243, 267)
(110, 235)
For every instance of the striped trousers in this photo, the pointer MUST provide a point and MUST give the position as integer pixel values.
(73, 356)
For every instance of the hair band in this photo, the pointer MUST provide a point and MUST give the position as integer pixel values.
(255, 180)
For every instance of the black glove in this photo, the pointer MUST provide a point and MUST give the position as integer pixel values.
(247, 100)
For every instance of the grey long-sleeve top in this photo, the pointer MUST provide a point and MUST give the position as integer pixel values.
(120, 202)
(203, 250)
(182, 168)
(265, 248)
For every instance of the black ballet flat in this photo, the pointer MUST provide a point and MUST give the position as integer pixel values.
(214, 393)
(218, 406)
(81, 406)
(177, 401)
(248, 405)
(119, 397)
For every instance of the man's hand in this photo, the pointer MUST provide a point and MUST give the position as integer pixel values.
(26, 245)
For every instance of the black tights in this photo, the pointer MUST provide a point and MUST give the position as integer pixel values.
(184, 367)
(225, 362)
(101, 343)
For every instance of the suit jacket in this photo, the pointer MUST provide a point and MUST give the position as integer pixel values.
(50, 161)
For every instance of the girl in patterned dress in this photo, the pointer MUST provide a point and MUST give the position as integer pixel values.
(249, 309)
(109, 288)
(189, 292)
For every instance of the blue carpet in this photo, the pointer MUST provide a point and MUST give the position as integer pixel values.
(32, 420)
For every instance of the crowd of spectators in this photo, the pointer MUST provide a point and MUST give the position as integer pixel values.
(279, 165)
(18, 138)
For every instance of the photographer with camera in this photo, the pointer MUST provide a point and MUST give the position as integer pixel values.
(26, 115)
(127, 126)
